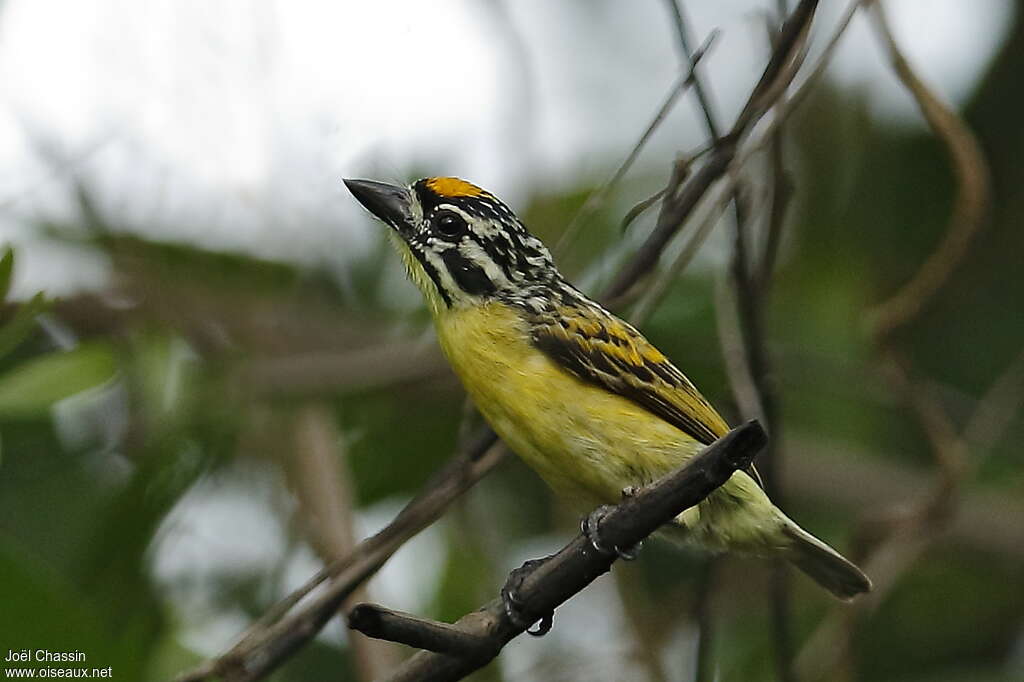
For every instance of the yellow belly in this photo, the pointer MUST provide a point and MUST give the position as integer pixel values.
(584, 441)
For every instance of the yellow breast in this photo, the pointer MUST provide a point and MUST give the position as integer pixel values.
(585, 441)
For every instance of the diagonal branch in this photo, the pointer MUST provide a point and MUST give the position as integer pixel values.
(595, 199)
(679, 202)
(280, 632)
(541, 586)
(675, 8)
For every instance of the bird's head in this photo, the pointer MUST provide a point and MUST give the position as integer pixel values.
(460, 243)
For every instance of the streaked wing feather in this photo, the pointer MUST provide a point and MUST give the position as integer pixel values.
(599, 348)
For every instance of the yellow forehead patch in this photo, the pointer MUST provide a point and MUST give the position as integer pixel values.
(454, 187)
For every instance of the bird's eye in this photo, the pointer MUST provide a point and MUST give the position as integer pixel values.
(450, 224)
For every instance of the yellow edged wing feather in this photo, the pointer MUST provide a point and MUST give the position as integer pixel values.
(601, 349)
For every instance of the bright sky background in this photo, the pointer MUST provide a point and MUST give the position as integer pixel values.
(230, 123)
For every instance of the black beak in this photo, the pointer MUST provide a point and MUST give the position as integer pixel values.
(388, 202)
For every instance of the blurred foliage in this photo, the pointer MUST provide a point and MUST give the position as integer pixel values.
(117, 407)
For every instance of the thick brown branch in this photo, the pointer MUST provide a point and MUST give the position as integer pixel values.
(540, 589)
(443, 638)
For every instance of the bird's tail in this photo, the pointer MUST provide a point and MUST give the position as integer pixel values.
(824, 565)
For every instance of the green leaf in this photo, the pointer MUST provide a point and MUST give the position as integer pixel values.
(21, 325)
(30, 389)
(6, 269)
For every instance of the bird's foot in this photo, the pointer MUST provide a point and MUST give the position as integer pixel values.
(591, 528)
(514, 605)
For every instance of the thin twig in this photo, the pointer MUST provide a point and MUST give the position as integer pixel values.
(660, 286)
(638, 209)
(756, 277)
(781, 193)
(736, 368)
(596, 198)
(704, 668)
(785, 108)
(690, 57)
(679, 202)
(751, 349)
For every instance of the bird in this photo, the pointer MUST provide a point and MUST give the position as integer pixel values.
(580, 395)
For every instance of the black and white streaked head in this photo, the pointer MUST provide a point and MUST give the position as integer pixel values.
(461, 245)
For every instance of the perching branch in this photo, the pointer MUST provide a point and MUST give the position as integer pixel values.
(541, 586)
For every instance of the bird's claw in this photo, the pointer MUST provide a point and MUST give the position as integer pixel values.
(630, 553)
(514, 606)
(591, 527)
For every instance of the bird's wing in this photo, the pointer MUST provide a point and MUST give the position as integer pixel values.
(601, 349)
